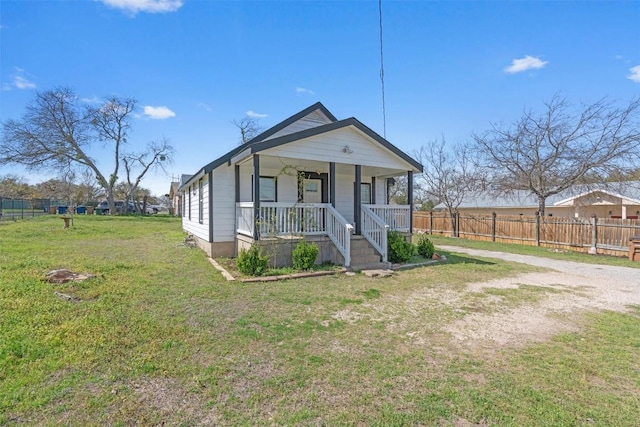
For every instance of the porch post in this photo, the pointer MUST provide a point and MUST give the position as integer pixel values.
(256, 197)
(332, 184)
(373, 190)
(357, 200)
(410, 199)
(624, 212)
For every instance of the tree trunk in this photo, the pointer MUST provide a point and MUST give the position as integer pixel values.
(454, 227)
(541, 202)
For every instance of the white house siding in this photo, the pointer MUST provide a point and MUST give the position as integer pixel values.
(311, 120)
(193, 225)
(344, 194)
(381, 191)
(329, 147)
(224, 207)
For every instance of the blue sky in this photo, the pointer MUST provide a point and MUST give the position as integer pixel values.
(451, 67)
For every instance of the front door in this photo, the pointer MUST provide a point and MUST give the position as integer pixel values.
(313, 187)
(312, 190)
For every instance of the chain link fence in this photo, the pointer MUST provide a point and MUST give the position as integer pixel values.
(12, 209)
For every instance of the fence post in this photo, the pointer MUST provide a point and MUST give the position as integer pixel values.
(593, 250)
(457, 225)
(430, 222)
(493, 226)
(537, 228)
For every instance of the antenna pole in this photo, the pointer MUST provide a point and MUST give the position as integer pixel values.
(384, 112)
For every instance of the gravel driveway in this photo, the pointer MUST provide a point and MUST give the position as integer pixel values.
(578, 288)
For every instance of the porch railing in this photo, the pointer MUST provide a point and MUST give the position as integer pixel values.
(339, 231)
(395, 216)
(374, 229)
(279, 219)
(244, 218)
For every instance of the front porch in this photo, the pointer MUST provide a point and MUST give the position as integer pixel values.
(277, 220)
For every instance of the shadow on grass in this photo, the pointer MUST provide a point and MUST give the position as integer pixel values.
(460, 259)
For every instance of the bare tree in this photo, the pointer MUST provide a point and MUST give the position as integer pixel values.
(58, 131)
(548, 153)
(249, 128)
(449, 175)
(156, 156)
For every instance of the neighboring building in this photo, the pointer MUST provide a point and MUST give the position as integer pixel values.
(315, 176)
(611, 200)
(175, 195)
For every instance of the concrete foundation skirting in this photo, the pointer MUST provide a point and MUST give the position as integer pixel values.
(281, 248)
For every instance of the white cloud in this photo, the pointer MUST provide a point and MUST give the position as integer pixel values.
(92, 100)
(524, 64)
(300, 90)
(205, 106)
(635, 74)
(20, 81)
(151, 6)
(158, 113)
(252, 113)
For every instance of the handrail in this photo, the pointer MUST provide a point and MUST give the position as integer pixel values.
(397, 217)
(374, 229)
(339, 231)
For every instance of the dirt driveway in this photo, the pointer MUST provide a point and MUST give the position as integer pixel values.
(577, 288)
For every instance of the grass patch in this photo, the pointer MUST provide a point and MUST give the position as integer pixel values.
(160, 337)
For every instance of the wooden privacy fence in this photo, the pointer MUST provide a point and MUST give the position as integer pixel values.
(603, 235)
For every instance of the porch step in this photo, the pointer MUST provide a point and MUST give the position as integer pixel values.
(370, 266)
(365, 259)
(364, 256)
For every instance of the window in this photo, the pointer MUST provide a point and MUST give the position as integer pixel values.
(365, 193)
(268, 189)
(200, 202)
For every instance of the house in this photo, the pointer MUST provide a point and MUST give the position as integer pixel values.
(609, 200)
(311, 176)
(175, 195)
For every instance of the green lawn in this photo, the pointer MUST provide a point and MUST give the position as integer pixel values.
(159, 337)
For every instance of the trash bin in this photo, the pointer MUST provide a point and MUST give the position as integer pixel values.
(62, 209)
(89, 210)
(98, 211)
(634, 248)
(52, 210)
(81, 210)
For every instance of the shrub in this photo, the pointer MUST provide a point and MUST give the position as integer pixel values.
(304, 255)
(425, 247)
(252, 262)
(399, 249)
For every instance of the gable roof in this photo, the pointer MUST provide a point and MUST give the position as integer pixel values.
(263, 141)
(340, 124)
(283, 124)
(629, 199)
(629, 190)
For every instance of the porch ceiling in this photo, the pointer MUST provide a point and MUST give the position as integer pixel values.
(273, 162)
